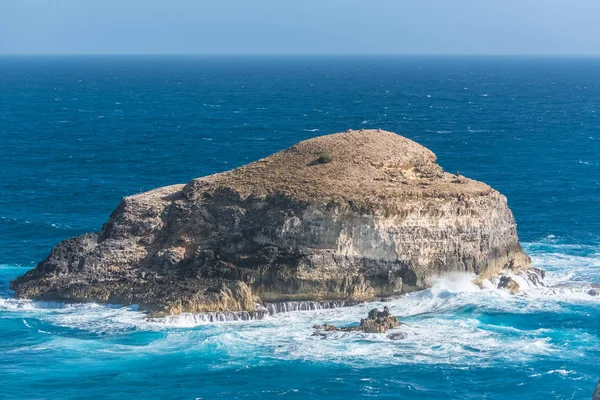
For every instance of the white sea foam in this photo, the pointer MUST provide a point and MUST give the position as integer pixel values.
(563, 372)
(11, 304)
(434, 333)
(456, 282)
(443, 324)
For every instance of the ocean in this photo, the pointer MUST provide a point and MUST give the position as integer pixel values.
(79, 133)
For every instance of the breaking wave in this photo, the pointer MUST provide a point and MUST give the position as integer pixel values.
(454, 322)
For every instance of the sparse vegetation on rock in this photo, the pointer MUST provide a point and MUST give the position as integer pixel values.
(324, 158)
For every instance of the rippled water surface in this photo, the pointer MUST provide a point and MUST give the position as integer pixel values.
(79, 133)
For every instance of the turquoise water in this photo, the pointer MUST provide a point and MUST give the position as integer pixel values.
(78, 133)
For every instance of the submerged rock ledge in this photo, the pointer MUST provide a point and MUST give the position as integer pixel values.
(353, 216)
(261, 311)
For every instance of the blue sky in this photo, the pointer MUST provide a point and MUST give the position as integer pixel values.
(568, 27)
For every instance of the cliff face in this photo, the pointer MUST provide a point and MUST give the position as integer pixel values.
(351, 216)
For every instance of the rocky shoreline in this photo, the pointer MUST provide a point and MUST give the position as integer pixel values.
(342, 218)
(261, 311)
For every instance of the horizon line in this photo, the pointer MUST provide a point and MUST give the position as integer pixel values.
(541, 55)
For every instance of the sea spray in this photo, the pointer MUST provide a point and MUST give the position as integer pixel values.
(454, 282)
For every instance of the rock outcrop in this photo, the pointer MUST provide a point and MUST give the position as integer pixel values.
(509, 283)
(350, 217)
(514, 280)
(376, 322)
(379, 322)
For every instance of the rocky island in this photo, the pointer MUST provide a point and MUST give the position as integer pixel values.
(337, 219)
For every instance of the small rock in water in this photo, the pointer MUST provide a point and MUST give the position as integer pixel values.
(536, 276)
(376, 322)
(596, 395)
(325, 327)
(397, 336)
(592, 292)
(506, 282)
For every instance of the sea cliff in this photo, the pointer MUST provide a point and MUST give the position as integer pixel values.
(348, 217)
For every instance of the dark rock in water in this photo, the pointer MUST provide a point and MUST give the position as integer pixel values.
(379, 322)
(592, 292)
(376, 322)
(509, 279)
(506, 282)
(321, 329)
(326, 328)
(536, 276)
(379, 219)
(596, 395)
(397, 336)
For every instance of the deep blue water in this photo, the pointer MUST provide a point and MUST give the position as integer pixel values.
(79, 133)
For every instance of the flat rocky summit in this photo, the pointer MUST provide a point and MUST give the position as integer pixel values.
(369, 167)
(352, 216)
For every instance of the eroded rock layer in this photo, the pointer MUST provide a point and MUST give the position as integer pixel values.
(351, 217)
